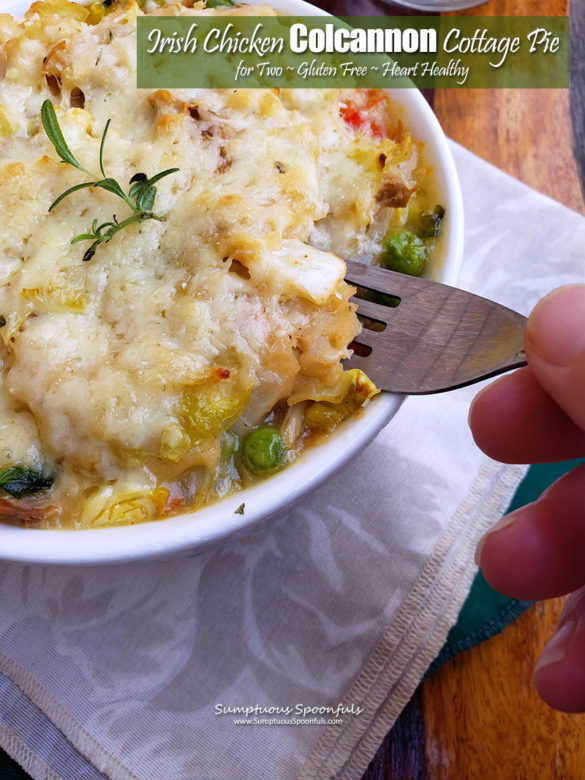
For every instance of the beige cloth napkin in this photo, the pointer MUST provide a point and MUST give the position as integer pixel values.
(130, 671)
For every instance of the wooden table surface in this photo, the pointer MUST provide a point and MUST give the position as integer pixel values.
(479, 716)
(482, 716)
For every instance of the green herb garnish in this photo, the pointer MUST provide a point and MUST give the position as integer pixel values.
(21, 481)
(140, 198)
(2, 320)
(215, 3)
(430, 224)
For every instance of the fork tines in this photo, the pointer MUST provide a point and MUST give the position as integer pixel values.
(436, 338)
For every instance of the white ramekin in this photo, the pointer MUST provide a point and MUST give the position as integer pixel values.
(186, 532)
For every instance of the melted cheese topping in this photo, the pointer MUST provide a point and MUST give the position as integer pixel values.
(121, 375)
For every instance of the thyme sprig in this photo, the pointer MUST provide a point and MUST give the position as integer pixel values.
(140, 198)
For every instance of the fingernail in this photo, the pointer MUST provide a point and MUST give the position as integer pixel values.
(555, 650)
(502, 523)
(556, 328)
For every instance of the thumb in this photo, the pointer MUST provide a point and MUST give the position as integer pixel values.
(555, 348)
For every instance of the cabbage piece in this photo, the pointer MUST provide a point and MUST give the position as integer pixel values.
(64, 296)
(207, 410)
(22, 481)
(64, 8)
(353, 390)
(174, 442)
(123, 504)
(10, 122)
(352, 381)
(210, 409)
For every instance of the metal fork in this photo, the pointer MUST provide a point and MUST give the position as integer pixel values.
(437, 338)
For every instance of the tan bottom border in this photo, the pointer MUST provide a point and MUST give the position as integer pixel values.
(25, 757)
(417, 632)
(81, 739)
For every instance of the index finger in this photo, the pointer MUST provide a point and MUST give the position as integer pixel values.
(514, 421)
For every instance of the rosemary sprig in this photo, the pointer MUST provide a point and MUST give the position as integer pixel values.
(140, 198)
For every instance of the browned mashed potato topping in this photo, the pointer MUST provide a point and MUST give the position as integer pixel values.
(129, 384)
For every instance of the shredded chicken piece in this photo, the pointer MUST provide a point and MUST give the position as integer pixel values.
(26, 513)
(292, 425)
(394, 191)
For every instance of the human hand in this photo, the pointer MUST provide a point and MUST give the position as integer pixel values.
(537, 415)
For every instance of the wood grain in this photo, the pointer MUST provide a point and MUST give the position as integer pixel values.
(402, 754)
(525, 132)
(482, 716)
(484, 719)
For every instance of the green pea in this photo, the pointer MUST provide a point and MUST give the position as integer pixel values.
(404, 252)
(264, 451)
